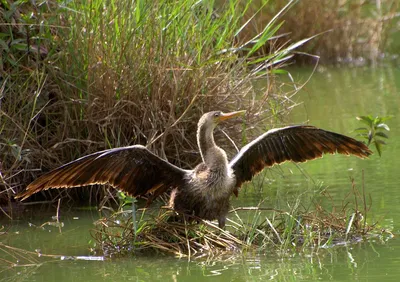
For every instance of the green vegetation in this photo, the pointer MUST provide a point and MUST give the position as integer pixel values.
(300, 229)
(93, 75)
(374, 132)
(89, 76)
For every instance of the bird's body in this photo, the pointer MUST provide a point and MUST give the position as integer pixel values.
(207, 189)
(204, 191)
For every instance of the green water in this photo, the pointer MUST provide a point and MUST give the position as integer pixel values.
(332, 99)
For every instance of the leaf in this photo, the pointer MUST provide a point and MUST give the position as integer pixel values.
(383, 125)
(121, 195)
(278, 61)
(378, 148)
(4, 35)
(368, 120)
(299, 43)
(381, 119)
(262, 59)
(279, 71)
(6, 4)
(17, 41)
(381, 134)
(4, 45)
(264, 38)
(364, 134)
(381, 142)
(139, 11)
(377, 120)
(385, 118)
(11, 60)
(20, 47)
(362, 129)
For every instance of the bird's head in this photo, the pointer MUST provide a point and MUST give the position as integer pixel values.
(212, 119)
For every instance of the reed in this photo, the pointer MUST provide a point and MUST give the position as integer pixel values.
(95, 75)
(353, 32)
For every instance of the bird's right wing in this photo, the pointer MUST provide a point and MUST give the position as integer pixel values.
(132, 169)
(292, 143)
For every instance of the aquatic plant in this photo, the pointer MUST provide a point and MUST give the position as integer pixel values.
(374, 132)
(249, 229)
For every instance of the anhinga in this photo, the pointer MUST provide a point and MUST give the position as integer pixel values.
(204, 191)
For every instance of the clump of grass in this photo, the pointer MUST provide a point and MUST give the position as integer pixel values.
(297, 229)
(127, 73)
(115, 236)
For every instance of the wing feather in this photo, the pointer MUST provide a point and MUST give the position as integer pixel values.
(291, 149)
(292, 143)
(133, 169)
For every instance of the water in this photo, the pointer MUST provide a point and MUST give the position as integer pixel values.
(332, 100)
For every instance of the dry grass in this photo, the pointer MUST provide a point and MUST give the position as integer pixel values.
(114, 76)
(355, 32)
(160, 234)
(298, 229)
(91, 77)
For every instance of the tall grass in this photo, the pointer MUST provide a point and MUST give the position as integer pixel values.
(354, 32)
(95, 75)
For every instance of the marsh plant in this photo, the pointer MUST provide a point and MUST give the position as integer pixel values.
(375, 131)
(300, 228)
(87, 76)
(354, 32)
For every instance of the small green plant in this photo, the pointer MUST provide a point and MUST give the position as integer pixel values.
(374, 132)
(125, 199)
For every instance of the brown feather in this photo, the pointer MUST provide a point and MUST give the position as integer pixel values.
(292, 143)
(206, 190)
(133, 169)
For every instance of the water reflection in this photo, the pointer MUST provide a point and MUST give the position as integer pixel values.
(361, 261)
(332, 99)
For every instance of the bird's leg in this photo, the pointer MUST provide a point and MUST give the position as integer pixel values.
(134, 218)
(221, 222)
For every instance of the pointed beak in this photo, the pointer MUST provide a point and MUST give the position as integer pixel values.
(226, 116)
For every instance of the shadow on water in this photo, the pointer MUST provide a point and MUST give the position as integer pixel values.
(332, 100)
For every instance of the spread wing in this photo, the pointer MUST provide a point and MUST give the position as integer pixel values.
(292, 143)
(132, 169)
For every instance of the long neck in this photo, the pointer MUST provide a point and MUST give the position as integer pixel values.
(213, 156)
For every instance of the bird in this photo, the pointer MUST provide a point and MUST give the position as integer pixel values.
(205, 191)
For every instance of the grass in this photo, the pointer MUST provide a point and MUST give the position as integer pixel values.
(85, 77)
(354, 32)
(250, 229)
(89, 76)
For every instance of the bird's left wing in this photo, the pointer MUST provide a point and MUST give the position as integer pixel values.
(293, 143)
(132, 169)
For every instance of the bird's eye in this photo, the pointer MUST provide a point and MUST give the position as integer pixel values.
(217, 114)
